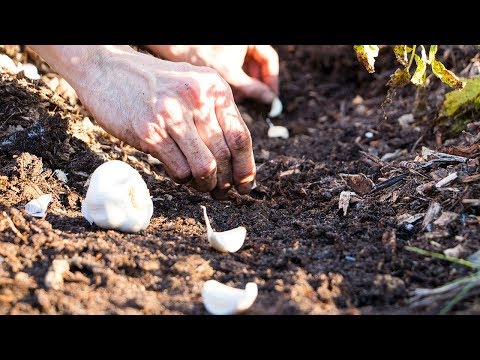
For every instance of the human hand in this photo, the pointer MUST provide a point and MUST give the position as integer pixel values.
(184, 115)
(251, 70)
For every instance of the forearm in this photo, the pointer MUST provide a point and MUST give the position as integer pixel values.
(78, 64)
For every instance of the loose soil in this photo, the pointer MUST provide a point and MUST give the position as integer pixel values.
(304, 254)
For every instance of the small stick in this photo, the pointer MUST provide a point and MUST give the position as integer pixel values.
(389, 182)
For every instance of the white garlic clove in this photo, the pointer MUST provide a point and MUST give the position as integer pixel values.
(7, 63)
(29, 70)
(220, 299)
(61, 176)
(225, 241)
(38, 207)
(278, 132)
(118, 198)
(276, 108)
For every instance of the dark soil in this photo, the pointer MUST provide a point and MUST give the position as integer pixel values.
(305, 256)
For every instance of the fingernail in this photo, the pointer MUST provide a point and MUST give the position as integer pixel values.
(244, 188)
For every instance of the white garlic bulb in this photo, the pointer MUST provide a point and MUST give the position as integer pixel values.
(220, 299)
(276, 108)
(118, 198)
(225, 241)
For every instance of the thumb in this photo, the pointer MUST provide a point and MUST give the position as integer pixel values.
(250, 87)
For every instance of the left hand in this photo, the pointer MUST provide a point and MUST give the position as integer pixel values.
(251, 70)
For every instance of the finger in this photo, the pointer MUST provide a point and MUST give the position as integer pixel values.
(239, 141)
(162, 147)
(212, 135)
(267, 57)
(250, 87)
(182, 129)
(252, 68)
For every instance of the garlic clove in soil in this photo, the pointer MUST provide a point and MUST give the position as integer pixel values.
(7, 63)
(275, 131)
(38, 207)
(29, 70)
(220, 299)
(118, 198)
(276, 108)
(225, 241)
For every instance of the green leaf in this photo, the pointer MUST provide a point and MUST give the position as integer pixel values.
(399, 78)
(366, 54)
(401, 54)
(457, 100)
(419, 76)
(447, 76)
(431, 53)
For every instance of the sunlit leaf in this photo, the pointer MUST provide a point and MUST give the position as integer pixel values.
(366, 54)
(446, 76)
(457, 100)
(419, 76)
(399, 78)
(401, 54)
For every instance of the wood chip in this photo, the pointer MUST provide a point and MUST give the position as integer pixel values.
(471, 178)
(446, 217)
(457, 251)
(344, 201)
(409, 219)
(432, 213)
(289, 172)
(446, 180)
(472, 202)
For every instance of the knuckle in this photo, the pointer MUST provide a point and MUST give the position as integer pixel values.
(204, 169)
(181, 175)
(241, 140)
(222, 154)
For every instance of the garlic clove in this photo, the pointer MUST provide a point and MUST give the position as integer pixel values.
(118, 198)
(276, 108)
(38, 207)
(29, 70)
(225, 241)
(7, 63)
(220, 299)
(278, 132)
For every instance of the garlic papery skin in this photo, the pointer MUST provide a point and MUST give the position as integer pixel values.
(220, 299)
(38, 207)
(118, 198)
(276, 108)
(225, 241)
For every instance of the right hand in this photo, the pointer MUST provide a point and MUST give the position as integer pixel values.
(183, 115)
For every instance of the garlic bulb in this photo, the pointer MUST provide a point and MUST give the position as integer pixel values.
(276, 108)
(38, 207)
(226, 241)
(220, 299)
(118, 198)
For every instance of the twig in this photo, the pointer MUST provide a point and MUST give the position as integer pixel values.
(388, 183)
(442, 257)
